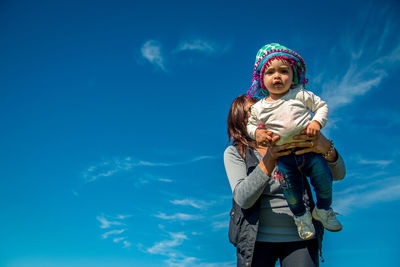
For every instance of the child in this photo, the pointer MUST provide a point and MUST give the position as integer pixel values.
(279, 78)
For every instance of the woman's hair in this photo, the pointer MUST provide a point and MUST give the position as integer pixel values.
(237, 121)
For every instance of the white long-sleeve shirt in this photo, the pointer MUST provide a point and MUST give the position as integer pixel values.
(288, 115)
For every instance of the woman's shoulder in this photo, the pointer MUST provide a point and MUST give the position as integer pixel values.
(231, 150)
(232, 154)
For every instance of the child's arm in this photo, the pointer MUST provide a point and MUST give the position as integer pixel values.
(265, 138)
(320, 110)
(313, 128)
(252, 124)
(258, 131)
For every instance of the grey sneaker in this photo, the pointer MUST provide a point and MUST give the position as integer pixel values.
(305, 227)
(328, 219)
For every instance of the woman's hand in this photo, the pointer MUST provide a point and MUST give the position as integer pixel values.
(270, 155)
(317, 144)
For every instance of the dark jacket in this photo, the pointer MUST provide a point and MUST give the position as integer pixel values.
(243, 225)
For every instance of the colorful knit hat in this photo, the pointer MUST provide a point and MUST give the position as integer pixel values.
(265, 55)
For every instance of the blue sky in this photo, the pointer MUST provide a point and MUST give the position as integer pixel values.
(113, 125)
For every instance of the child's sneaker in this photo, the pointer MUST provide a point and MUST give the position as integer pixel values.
(328, 219)
(305, 227)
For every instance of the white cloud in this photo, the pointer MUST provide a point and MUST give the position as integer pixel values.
(178, 216)
(220, 225)
(105, 223)
(222, 214)
(363, 196)
(165, 180)
(376, 163)
(165, 164)
(344, 92)
(151, 50)
(175, 258)
(181, 262)
(198, 204)
(197, 45)
(110, 168)
(370, 175)
(107, 168)
(118, 239)
(112, 232)
(115, 233)
(127, 244)
(164, 247)
(185, 261)
(122, 216)
(369, 61)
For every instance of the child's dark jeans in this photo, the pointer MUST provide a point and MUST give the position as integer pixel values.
(292, 169)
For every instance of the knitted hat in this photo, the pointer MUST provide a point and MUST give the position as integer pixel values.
(264, 56)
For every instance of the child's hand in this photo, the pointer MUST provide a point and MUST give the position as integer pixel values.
(313, 128)
(266, 138)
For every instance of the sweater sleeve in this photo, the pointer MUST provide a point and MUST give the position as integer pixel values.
(338, 168)
(317, 106)
(246, 189)
(252, 122)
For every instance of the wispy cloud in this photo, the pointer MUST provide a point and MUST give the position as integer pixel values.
(195, 262)
(166, 164)
(220, 225)
(112, 232)
(175, 258)
(365, 195)
(222, 214)
(376, 163)
(116, 234)
(198, 204)
(118, 239)
(147, 178)
(165, 180)
(164, 247)
(200, 45)
(107, 168)
(105, 223)
(151, 50)
(112, 167)
(360, 174)
(127, 244)
(181, 261)
(369, 62)
(123, 216)
(178, 216)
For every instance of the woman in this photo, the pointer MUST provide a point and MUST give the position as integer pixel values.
(262, 226)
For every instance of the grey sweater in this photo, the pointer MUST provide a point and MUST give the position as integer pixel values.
(276, 220)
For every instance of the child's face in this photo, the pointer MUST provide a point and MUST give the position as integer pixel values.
(278, 77)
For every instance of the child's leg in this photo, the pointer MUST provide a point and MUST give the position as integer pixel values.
(317, 169)
(291, 181)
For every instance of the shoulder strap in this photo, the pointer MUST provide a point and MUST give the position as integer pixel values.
(251, 160)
